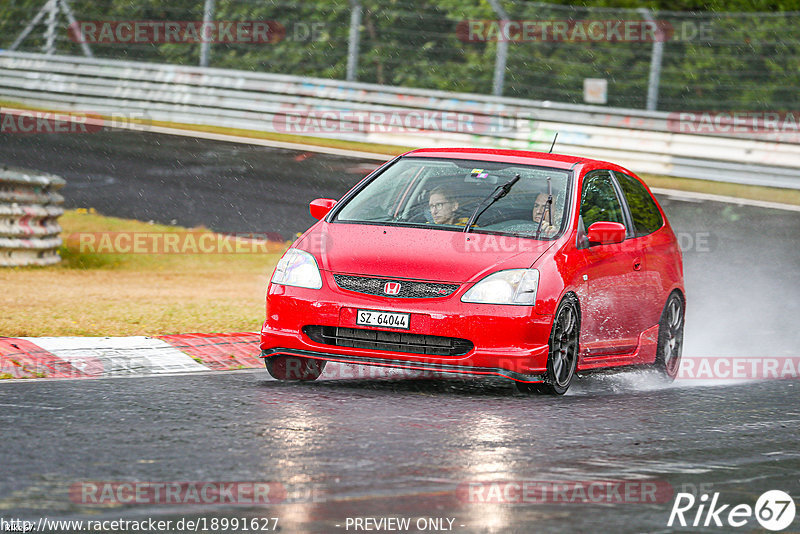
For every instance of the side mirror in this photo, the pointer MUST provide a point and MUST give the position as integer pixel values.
(319, 208)
(606, 233)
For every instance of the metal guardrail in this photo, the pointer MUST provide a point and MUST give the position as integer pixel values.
(644, 141)
(29, 211)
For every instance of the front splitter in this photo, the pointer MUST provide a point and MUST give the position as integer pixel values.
(401, 364)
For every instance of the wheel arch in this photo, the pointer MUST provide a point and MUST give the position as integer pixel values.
(569, 294)
(680, 292)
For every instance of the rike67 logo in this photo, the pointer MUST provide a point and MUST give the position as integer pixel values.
(774, 510)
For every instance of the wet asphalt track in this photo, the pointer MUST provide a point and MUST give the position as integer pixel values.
(382, 447)
(169, 179)
(346, 447)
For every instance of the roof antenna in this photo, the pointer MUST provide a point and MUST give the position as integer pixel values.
(554, 143)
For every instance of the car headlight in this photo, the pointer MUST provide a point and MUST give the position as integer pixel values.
(297, 268)
(514, 286)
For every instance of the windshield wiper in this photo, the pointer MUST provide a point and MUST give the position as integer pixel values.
(547, 208)
(497, 194)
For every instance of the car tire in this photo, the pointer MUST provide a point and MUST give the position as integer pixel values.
(670, 338)
(284, 367)
(564, 348)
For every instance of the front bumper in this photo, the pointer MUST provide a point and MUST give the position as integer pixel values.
(508, 341)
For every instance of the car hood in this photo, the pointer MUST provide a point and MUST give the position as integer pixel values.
(417, 253)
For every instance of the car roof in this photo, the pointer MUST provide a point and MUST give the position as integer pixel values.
(522, 157)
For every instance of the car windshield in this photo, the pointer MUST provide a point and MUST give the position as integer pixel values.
(445, 193)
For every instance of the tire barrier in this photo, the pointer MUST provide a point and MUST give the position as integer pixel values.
(29, 211)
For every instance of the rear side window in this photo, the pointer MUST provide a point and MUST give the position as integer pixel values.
(646, 217)
(599, 202)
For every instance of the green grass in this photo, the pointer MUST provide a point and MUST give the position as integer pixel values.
(113, 294)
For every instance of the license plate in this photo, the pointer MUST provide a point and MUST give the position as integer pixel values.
(385, 319)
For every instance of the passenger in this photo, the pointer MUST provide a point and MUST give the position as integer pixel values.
(539, 210)
(444, 206)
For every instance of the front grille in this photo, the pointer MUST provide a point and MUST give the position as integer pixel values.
(409, 289)
(361, 338)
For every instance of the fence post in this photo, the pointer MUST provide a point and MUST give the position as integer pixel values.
(51, 8)
(502, 51)
(655, 60)
(31, 25)
(205, 45)
(50, 32)
(352, 44)
(74, 24)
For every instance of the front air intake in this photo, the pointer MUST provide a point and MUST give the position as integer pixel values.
(382, 340)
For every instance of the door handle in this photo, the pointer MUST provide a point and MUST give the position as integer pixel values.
(637, 264)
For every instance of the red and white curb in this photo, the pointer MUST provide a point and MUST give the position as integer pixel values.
(100, 357)
(104, 357)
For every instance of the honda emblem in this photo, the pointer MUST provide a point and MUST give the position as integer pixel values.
(391, 288)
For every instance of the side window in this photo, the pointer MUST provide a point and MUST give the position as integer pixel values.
(599, 200)
(646, 217)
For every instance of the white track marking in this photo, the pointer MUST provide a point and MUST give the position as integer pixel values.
(119, 356)
(269, 142)
(689, 195)
(147, 128)
(32, 406)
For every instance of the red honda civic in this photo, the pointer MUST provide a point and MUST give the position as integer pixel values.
(525, 265)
